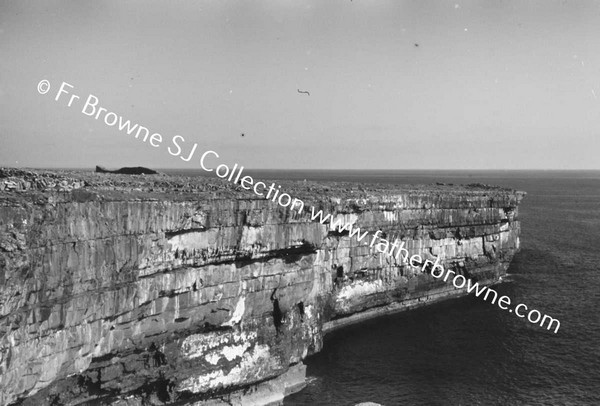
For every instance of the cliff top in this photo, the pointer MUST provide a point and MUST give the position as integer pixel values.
(177, 187)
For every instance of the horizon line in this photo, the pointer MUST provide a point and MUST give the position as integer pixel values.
(318, 169)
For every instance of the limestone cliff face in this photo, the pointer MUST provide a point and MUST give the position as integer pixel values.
(156, 290)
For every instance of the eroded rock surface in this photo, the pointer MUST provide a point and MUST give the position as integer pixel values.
(156, 290)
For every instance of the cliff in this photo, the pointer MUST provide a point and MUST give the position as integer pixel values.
(136, 170)
(138, 290)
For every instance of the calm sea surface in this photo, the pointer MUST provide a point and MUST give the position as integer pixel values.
(466, 351)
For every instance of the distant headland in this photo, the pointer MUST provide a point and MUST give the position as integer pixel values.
(135, 170)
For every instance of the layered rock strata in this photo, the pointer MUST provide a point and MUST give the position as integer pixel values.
(139, 290)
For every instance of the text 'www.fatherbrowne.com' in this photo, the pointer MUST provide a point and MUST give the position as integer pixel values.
(435, 269)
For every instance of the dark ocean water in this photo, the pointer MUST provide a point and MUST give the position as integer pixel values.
(466, 351)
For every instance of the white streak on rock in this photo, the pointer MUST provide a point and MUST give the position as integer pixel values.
(251, 367)
(238, 313)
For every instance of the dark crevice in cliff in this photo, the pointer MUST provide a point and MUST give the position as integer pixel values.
(208, 328)
(301, 310)
(161, 388)
(170, 294)
(171, 234)
(288, 255)
(339, 274)
(116, 316)
(337, 233)
(103, 358)
(277, 313)
(92, 385)
(158, 357)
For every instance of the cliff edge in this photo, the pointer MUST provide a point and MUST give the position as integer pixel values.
(173, 290)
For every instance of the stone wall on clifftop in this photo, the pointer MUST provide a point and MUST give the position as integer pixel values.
(155, 289)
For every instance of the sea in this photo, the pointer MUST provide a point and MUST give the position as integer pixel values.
(467, 351)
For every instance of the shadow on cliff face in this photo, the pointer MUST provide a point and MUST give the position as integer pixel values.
(93, 386)
(158, 357)
(301, 310)
(277, 313)
(162, 389)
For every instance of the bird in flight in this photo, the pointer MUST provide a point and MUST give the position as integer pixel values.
(303, 91)
(243, 134)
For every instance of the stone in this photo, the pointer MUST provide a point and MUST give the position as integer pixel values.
(153, 290)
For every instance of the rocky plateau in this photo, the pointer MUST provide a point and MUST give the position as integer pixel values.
(155, 289)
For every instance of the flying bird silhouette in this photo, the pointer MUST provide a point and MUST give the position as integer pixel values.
(303, 91)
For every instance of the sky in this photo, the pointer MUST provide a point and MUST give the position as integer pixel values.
(392, 84)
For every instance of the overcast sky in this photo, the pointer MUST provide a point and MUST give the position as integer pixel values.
(393, 84)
